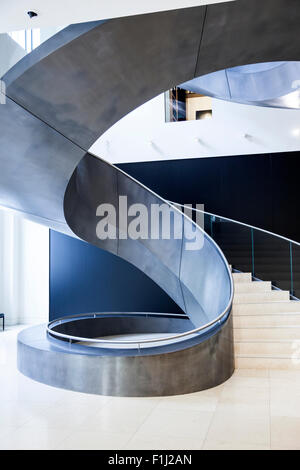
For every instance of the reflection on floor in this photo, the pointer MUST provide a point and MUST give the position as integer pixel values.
(255, 409)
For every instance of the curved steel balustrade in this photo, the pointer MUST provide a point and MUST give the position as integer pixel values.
(188, 276)
(64, 95)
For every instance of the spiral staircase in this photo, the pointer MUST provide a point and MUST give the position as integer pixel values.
(59, 99)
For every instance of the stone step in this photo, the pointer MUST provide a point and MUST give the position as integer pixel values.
(250, 287)
(267, 333)
(268, 347)
(253, 321)
(242, 277)
(266, 362)
(272, 296)
(265, 308)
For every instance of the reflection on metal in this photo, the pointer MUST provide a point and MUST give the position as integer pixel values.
(273, 85)
(59, 100)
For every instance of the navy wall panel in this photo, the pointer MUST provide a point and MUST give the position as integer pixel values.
(84, 279)
(262, 190)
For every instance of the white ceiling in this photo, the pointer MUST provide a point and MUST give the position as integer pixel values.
(57, 12)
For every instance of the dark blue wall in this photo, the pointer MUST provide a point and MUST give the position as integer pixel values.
(85, 279)
(262, 190)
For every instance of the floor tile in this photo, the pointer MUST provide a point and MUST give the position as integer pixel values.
(120, 415)
(201, 401)
(176, 423)
(285, 433)
(233, 446)
(172, 443)
(91, 440)
(252, 373)
(239, 428)
(16, 414)
(33, 438)
(254, 400)
(285, 402)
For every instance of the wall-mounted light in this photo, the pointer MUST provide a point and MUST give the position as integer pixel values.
(296, 132)
(248, 136)
(156, 147)
(32, 14)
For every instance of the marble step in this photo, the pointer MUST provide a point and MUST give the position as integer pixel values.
(267, 307)
(267, 333)
(252, 321)
(272, 296)
(242, 277)
(250, 287)
(281, 362)
(268, 347)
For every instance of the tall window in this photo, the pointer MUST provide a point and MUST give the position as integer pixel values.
(28, 39)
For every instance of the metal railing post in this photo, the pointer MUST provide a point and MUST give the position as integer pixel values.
(252, 251)
(291, 268)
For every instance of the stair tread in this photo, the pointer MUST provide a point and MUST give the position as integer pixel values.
(266, 356)
(259, 303)
(272, 314)
(257, 293)
(266, 341)
(265, 302)
(265, 327)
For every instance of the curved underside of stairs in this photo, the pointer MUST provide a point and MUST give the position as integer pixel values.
(59, 100)
(272, 84)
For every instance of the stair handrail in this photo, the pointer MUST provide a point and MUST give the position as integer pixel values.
(237, 222)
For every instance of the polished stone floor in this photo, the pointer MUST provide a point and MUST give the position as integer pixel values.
(255, 409)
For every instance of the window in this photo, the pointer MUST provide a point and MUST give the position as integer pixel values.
(28, 39)
(184, 105)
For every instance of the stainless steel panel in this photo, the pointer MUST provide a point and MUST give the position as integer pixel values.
(204, 365)
(242, 32)
(205, 281)
(36, 165)
(94, 182)
(87, 85)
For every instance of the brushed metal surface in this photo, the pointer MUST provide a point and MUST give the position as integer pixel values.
(88, 84)
(36, 164)
(188, 370)
(242, 32)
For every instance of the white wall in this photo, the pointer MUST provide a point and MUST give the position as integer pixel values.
(55, 12)
(24, 270)
(234, 129)
(10, 53)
